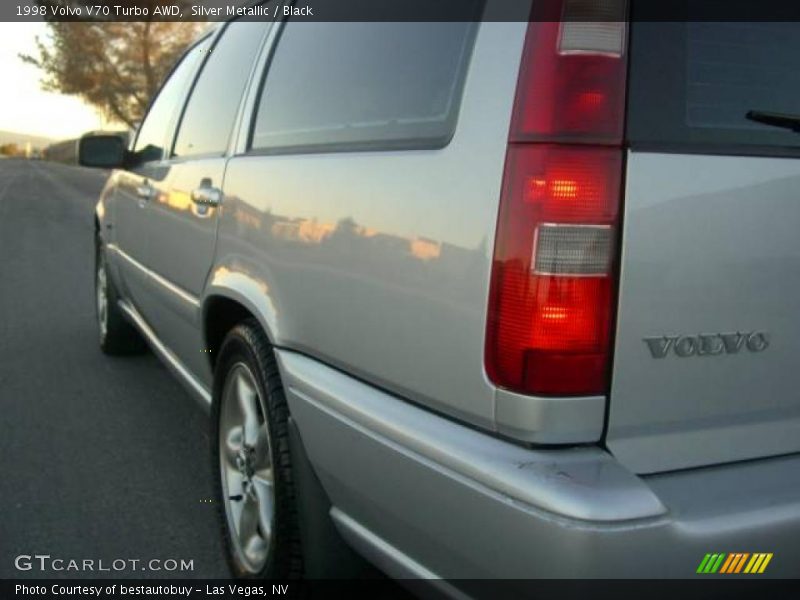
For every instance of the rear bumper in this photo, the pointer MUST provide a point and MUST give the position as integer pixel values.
(422, 496)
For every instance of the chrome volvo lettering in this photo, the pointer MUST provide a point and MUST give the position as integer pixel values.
(710, 345)
(659, 346)
(757, 341)
(732, 341)
(685, 346)
(707, 344)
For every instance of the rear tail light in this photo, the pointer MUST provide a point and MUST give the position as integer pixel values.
(553, 288)
(572, 80)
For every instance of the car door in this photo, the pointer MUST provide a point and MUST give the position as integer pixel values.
(135, 188)
(182, 215)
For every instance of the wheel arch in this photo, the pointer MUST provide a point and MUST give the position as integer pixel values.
(223, 309)
(233, 298)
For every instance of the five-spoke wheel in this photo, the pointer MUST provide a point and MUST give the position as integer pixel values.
(246, 468)
(252, 464)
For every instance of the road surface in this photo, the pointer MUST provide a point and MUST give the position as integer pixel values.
(100, 458)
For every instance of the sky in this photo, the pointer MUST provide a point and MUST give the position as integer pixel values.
(24, 107)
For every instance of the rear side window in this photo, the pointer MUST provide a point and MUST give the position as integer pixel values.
(208, 119)
(339, 86)
(160, 116)
(693, 83)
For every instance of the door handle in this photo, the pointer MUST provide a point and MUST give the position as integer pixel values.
(206, 194)
(145, 192)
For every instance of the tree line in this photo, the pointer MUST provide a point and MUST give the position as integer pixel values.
(116, 67)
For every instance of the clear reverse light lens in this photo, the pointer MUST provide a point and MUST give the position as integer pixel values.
(586, 37)
(572, 250)
(593, 27)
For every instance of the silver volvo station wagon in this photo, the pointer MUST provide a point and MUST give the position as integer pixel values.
(475, 299)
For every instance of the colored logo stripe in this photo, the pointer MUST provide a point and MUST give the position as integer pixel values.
(703, 563)
(727, 564)
(758, 563)
(734, 562)
(711, 563)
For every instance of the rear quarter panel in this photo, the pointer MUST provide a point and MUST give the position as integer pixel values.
(378, 263)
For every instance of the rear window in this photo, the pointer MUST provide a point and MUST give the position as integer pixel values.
(691, 84)
(348, 86)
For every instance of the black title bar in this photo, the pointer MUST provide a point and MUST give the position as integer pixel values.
(394, 10)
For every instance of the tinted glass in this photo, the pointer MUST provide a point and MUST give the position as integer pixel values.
(695, 82)
(370, 85)
(208, 119)
(155, 128)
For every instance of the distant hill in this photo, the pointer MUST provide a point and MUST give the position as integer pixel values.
(9, 137)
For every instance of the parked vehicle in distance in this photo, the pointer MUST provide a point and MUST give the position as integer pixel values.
(475, 299)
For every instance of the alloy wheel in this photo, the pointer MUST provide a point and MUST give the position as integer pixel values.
(246, 469)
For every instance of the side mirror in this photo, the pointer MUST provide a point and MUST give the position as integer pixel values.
(101, 151)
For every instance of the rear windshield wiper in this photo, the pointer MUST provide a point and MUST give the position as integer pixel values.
(775, 119)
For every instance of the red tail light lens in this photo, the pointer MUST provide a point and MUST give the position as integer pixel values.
(572, 85)
(552, 293)
(552, 287)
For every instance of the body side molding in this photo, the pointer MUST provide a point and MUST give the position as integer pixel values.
(190, 382)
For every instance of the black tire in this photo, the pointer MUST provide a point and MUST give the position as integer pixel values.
(117, 336)
(247, 345)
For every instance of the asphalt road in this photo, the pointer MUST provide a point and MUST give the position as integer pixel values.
(100, 458)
